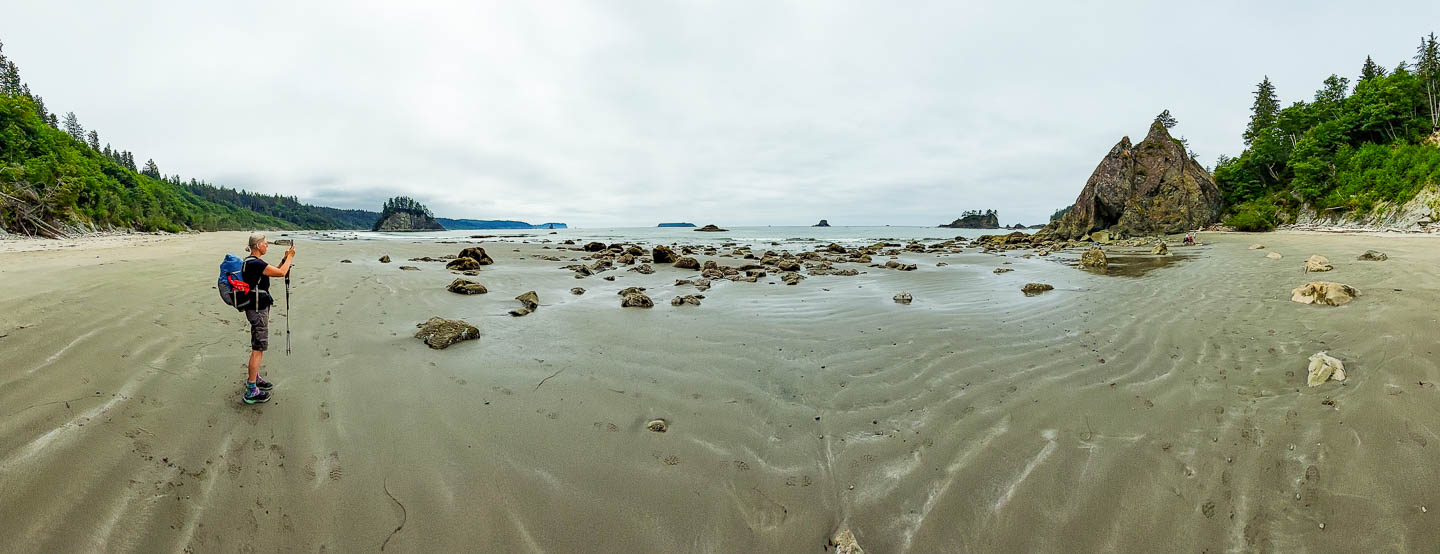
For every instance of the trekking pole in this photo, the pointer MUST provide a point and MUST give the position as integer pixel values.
(287, 311)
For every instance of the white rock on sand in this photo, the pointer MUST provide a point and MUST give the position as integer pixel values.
(1324, 367)
(1317, 263)
(1274, 255)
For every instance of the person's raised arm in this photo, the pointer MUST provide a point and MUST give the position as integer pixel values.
(284, 268)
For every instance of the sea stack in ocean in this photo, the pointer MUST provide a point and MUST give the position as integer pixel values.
(405, 214)
(1149, 188)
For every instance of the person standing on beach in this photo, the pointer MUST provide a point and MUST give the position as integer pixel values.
(257, 274)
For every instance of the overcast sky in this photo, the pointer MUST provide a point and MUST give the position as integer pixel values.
(614, 113)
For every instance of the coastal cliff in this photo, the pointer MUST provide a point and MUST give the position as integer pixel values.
(1148, 188)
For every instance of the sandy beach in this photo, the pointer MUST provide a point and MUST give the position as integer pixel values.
(1165, 410)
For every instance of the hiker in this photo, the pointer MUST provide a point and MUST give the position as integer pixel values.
(1189, 239)
(257, 274)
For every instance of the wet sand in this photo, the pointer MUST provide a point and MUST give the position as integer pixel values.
(1164, 410)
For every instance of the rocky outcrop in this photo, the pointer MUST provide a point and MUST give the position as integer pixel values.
(463, 264)
(1317, 263)
(465, 286)
(1373, 256)
(691, 299)
(662, 255)
(712, 229)
(407, 221)
(903, 298)
(530, 301)
(385, 259)
(1324, 292)
(439, 333)
(476, 253)
(976, 219)
(1149, 188)
(687, 263)
(822, 223)
(1032, 289)
(636, 300)
(1094, 258)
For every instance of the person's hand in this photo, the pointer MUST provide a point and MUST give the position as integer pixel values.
(291, 252)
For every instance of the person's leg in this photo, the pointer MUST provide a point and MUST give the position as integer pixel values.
(259, 342)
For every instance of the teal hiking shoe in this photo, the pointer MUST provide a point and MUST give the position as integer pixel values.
(256, 396)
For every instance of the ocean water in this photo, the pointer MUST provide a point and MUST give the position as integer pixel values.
(753, 236)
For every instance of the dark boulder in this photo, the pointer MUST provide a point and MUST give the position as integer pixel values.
(478, 254)
(663, 255)
(439, 333)
(465, 286)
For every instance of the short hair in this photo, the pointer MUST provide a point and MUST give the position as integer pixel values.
(255, 238)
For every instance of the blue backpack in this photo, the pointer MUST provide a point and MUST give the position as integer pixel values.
(234, 291)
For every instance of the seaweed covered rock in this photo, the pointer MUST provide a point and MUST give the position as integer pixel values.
(1094, 258)
(594, 246)
(636, 300)
(463, 264)
(687, 263)
(1153, 187)
(1373, 256)
(476, 253)
(465, 286)
(440, 333)
(385, 259)
(662, 255)
(1032, 289)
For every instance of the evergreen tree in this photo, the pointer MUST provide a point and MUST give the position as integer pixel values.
(73, 128)
(54, 120)
(1427, 65)
(107, 152)
(1167, 120)
(1263, 112)
(40, 109)
(1371, 70)
(151, 170)
(93, 139)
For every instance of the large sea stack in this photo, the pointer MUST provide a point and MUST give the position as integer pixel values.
(1150, 188)
(405, 214)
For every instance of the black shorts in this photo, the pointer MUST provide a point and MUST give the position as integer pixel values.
(259, 329)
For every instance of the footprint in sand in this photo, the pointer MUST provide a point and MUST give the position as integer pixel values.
(607, 426)
(336, 472)
(324, 413)
(672, 460)
(798, 481)
(740, 465)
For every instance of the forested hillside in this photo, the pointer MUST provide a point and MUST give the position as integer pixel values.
(57, 179)
(1348, 148)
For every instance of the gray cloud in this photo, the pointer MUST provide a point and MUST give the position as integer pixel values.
(630, 113)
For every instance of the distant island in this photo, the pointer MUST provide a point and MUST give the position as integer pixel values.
(676, 225)
(468, 224)
(712, 229)
(976, 219)
(403, 213)
(822, 223)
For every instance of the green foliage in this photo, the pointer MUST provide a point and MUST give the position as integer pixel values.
(1061, 212)
(1256, 215)
(1167, 120)
(1347, 149)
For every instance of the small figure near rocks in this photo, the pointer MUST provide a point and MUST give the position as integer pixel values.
(691, 299)
(1094, 258)
(1161, 249)
(385, 259)
(903, 298)
(1373, 256)
(577, 291)
(657, 425)
(409, 268)
(464, 286)
(1274, 255)
(1032, 289)
(636, 300)
(1324, 367)
(1324, 292)
(439, 333)
(999, 270)
(687, 263)
(1317, 263)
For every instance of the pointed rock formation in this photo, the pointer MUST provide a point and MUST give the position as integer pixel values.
(1148, 188)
